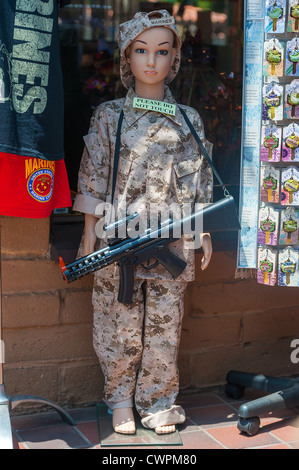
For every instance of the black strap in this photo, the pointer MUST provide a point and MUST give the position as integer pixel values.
(202, 148)
(116, 154)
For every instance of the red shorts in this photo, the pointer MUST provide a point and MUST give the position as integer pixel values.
(32, 187)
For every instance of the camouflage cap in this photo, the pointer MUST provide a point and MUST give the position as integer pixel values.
(129, 30)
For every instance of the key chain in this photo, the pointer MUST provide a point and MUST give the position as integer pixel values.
(272, 101)
(267, 261)
(288, 268)
(275, 12)
(267, 226)
(291, 185)
(292, 142)
(271, 142)
(269, 184)
(293, 100)
(266, 267)
(289, 226)
(294, 13)
(294, 56)
(273, 57)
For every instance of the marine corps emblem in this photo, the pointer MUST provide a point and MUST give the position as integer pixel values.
(40, 185)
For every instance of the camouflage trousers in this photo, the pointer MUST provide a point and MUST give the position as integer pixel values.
(137, 346)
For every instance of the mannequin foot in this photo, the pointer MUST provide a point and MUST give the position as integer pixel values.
(123, 421)
(165, 429)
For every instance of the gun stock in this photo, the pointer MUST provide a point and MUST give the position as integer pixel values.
(221, 216)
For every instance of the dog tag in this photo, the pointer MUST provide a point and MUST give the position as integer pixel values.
(289, 226)
(293, 100)
(275, 12)
(272, 101)
(270, 184)
(294, 13)
(288, 268)
(271, 142)
(292, 142)
(274, 58)
(266, 267)
(291, 186)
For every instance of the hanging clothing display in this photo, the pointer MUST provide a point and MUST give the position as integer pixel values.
(31, 110)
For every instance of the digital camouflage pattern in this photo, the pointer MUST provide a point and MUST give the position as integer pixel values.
(129, 30)
(141, 363)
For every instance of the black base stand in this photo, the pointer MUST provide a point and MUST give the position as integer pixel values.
(283, 394)
(9, 403)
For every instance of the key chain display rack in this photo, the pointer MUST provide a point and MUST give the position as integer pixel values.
(269, 182)
(278, 211)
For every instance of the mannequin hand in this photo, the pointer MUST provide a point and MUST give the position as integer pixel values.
(206, 244)
(90, 237)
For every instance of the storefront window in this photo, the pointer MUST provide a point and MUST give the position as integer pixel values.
(210, 77)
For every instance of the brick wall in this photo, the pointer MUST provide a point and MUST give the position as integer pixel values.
(47, 324)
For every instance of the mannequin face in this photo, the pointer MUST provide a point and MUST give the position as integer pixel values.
(150, 56)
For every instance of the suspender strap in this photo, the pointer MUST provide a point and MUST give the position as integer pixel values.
(116, 154)
(205, 153)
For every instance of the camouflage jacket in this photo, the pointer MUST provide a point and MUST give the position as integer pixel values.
(159, 164)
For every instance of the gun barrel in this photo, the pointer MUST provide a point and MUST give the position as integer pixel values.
(81, 267)
(118, 229)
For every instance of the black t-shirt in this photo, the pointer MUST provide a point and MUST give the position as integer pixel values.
(31, 87)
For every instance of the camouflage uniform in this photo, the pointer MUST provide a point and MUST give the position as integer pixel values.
(159, 163)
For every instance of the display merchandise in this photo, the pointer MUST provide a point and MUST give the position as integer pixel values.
(278, 242)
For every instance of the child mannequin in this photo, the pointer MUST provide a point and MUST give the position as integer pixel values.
(137, 344)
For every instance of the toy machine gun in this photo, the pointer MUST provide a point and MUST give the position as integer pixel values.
(152, 244)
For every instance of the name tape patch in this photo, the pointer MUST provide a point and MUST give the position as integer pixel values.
(163, 21)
